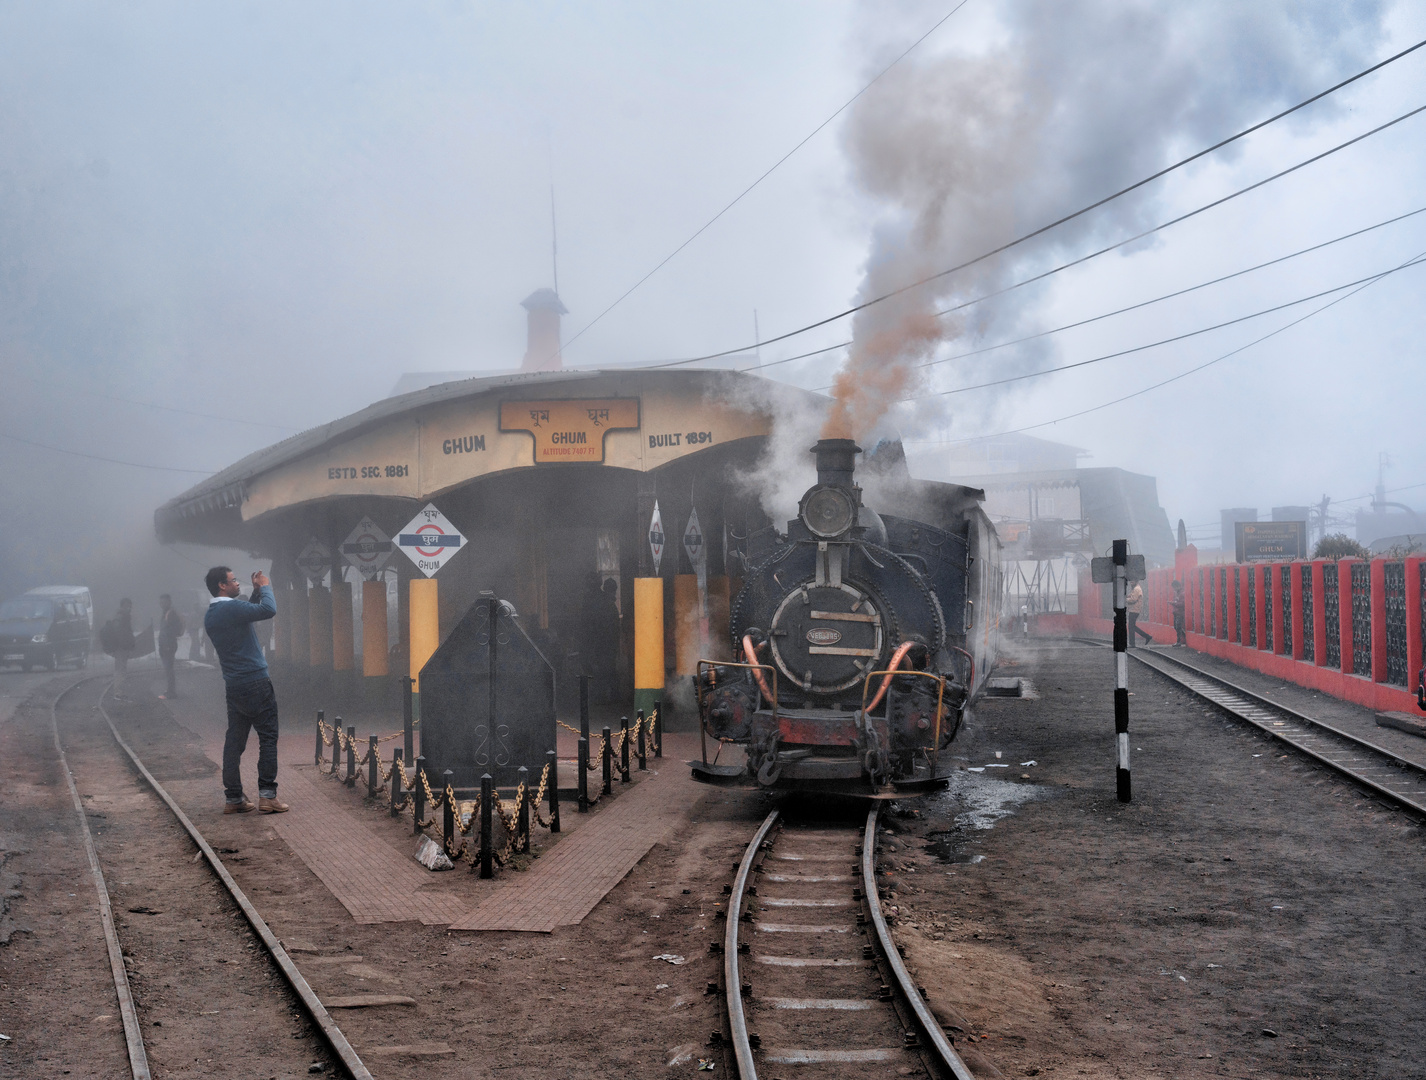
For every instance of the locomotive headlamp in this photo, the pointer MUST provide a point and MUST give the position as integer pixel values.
(828, 512)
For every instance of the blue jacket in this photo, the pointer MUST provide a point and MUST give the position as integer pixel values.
(229, 625)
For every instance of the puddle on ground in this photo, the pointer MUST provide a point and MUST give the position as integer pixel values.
(974, 803)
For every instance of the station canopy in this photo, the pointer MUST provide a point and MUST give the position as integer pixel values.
(420, 445)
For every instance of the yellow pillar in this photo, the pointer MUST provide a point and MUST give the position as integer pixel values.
(319, 620)
(686, 643)
(425, 625)
(648, 643)
(374, 645)
(343, 637)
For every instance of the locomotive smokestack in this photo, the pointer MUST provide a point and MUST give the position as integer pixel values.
(836, 460)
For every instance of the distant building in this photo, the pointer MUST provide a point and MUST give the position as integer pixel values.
(1044, 503)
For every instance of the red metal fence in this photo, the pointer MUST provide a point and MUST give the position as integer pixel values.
(1350, 628)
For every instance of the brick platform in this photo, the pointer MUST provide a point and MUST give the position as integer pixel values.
(562, 887)
(360, 868)
(361, 860)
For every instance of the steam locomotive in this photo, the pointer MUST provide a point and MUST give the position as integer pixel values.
(861, 639)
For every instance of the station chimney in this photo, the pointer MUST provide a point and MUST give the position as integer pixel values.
(542, 350)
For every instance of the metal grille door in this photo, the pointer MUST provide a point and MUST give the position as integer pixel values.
(1362, 619)
(1286, 602)
(1333, 616)
(1252, 607)
(1268, 608)
(1395, 573)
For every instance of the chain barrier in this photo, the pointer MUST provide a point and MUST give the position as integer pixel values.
(596, 756)
(464, 813)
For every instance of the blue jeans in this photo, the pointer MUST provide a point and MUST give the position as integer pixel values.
(252, 706)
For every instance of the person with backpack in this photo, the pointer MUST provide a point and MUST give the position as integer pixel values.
(252, 704)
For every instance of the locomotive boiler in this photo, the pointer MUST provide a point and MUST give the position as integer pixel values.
(861, 640)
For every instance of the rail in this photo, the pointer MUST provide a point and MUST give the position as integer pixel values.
(926, 1024)
(314, 1008)
(1399, 781)
(931, 1038)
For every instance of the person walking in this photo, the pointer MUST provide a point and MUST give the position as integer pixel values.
(1133, 605)
(116, 638)
(252, 704)
(1177, 605)
(170, 629)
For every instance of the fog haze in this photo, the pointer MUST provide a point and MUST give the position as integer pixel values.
(266, 214)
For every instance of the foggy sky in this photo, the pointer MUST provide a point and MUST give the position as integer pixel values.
(268, 213)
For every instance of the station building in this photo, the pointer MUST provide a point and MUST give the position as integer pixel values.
(551, 477)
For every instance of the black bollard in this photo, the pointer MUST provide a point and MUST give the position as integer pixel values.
(487, 844)
(525, 796)
(337, 747)
(320, 717)
(643, 759)
(607, 754)
(406, 711)
(658, 728)
(373, 764)
(583, 768)
(624, 751)
(418, 793)
(351, 757)
(448, 823)
(395, 781)
(554, 760)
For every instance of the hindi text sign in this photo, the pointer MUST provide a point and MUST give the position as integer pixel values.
(429, 540)
(367, 548)
(570, 430)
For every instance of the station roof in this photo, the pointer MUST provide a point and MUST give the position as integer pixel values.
(420, 443)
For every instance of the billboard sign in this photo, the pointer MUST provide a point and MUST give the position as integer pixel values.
(1270, 541)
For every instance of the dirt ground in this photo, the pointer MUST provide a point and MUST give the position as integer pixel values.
(1248, 914)
(1237, 894)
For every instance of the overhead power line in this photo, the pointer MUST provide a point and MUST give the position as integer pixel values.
(775, 166)
(1178, 337)
(1413, 261)
(1108, 199)
(96, 457)
(1119, 311)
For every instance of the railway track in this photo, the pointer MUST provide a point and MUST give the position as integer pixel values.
(811, 974)
(195, 967)
(1370, 765)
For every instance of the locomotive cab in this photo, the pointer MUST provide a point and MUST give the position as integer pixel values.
(848, 675)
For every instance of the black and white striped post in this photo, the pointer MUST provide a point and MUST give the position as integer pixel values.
(1118, 570)
(1121, 669)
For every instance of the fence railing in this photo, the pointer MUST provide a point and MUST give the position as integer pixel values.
(412, 792)
(1362, 619)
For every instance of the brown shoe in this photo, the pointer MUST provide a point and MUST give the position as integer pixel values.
(271, 806)
(243, 807)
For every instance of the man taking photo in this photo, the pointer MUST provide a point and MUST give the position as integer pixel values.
(252, 705)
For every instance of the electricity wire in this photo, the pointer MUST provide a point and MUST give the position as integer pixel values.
(1108, 314)
(1414, 261)
(775, 166)
(1177, 337)
(96, 457)
(1107, 199)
